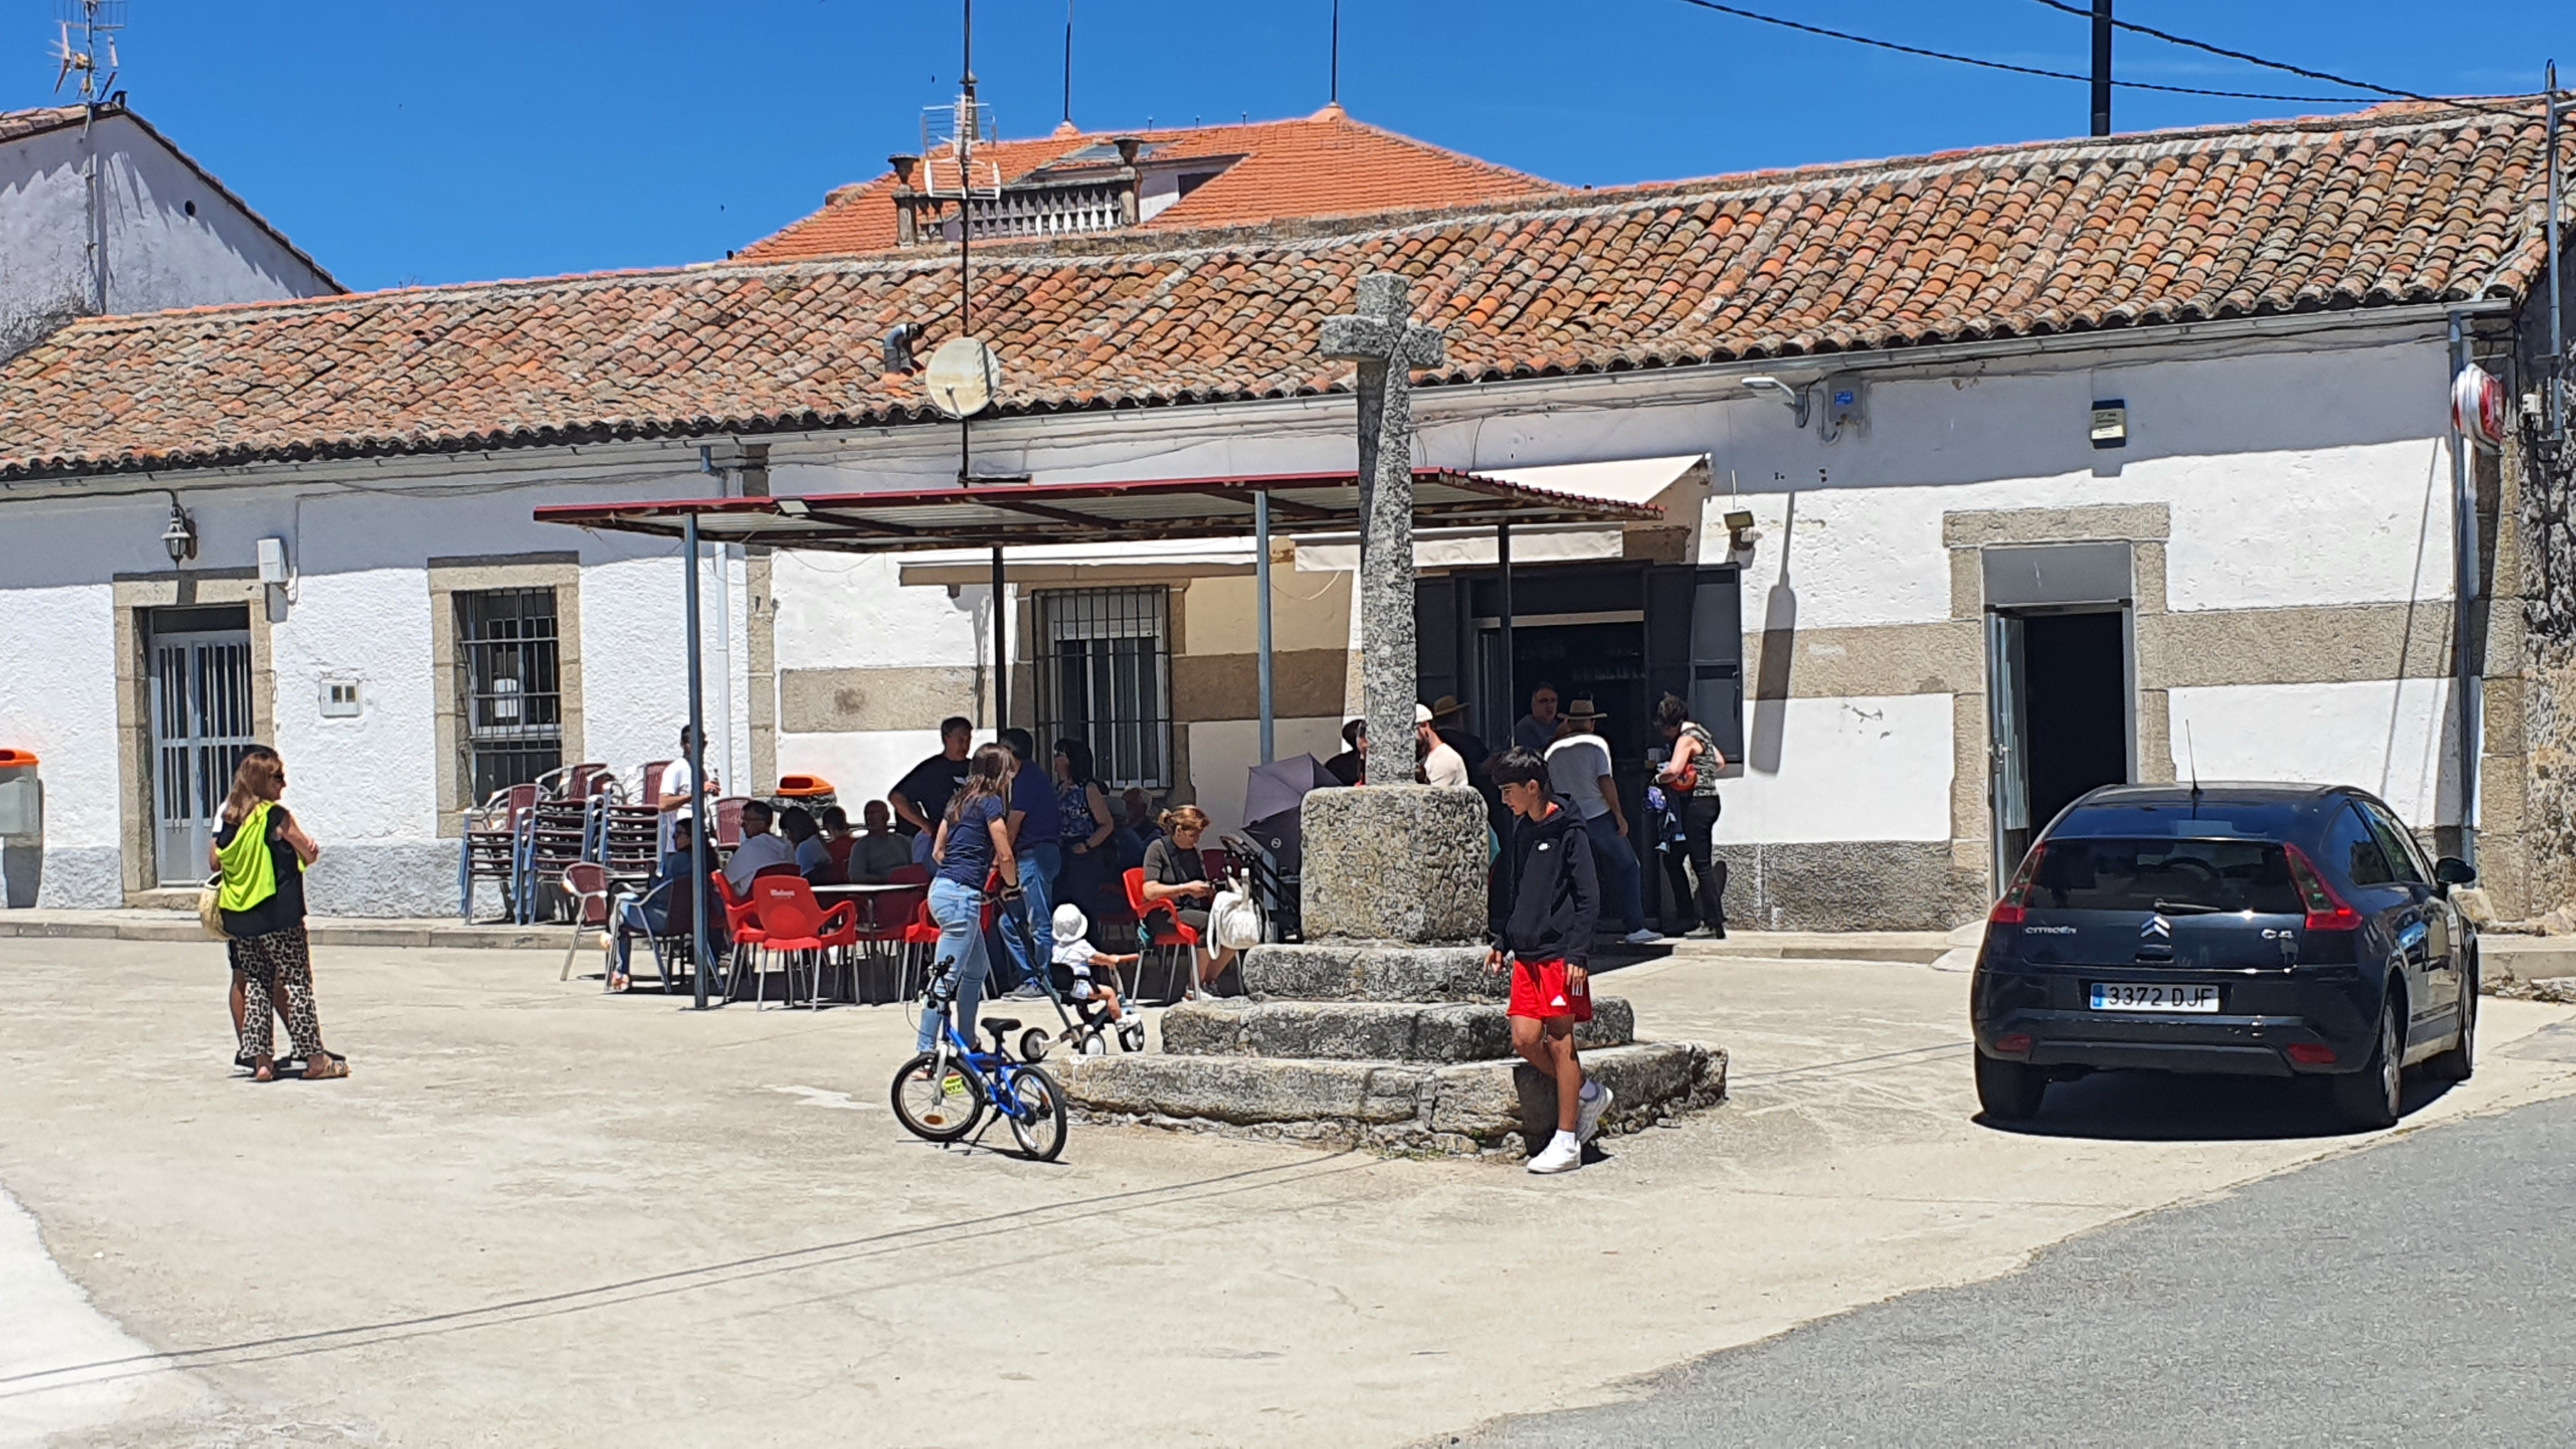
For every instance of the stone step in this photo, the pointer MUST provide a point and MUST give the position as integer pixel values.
(1449, 1031)
(1460, 1108)
(1372, 971)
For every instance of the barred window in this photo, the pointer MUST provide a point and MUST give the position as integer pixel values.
(508, 681)
(1105, 676)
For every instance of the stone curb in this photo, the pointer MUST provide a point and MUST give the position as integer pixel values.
(1382, 1031)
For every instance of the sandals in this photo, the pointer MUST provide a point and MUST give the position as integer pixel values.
(331, 1067)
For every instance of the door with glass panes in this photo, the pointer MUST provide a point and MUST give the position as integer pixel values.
(202, 721)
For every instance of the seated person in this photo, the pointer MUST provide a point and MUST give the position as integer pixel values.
(881, 852)
(1074, 955)
(1352, 762)
(759, 849)
(1136, 829)
(1176, 875)
(648, 912)
(813, 855)
(838, 837)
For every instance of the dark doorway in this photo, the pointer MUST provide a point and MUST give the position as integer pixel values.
(1604, 663)
(2076, 721)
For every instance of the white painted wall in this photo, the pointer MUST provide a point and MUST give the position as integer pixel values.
(1875, 768)
(159, 255)
(2392, 738)
(1223, 752)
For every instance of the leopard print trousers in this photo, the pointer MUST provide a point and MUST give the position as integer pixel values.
(275, 959)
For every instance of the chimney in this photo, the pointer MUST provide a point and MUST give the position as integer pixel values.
(1131, 195)
(907, 227)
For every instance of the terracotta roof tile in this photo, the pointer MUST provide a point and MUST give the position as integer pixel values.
(2399, 205)
(1324, 165)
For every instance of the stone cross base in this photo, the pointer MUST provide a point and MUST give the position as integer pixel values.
(1401, 863)
(1399, 1048)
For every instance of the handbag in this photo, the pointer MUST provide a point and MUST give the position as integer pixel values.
(210, 907)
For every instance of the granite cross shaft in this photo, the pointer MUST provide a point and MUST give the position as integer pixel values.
(1388, 347)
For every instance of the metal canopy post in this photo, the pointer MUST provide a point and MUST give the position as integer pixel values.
(1261, 615)
(701, 958)
(1001, 650)
(1503, 643)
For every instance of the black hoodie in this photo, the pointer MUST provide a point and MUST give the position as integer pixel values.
(1559, 897)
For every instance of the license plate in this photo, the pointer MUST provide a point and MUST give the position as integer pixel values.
(2129, 996)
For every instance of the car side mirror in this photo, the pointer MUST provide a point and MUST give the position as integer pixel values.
(2450, 870)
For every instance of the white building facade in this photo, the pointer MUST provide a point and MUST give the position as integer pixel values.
(1954, 608)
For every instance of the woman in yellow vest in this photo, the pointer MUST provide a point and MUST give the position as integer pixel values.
(261, 853)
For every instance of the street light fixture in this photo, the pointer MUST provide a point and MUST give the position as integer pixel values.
(1795, 397)
(180, 538)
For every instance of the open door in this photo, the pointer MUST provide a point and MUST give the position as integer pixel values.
(2007, 743)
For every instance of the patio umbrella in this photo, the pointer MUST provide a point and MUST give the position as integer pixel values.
(1270, 800)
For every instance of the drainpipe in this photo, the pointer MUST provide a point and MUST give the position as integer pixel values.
(1261, 616)
(2466, 686)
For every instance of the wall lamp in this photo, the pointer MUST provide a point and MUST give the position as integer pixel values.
(1795, 397)
(180, 538)
(792, 508)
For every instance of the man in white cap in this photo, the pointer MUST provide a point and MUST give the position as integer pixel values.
(1579, 767)
(1441, 765)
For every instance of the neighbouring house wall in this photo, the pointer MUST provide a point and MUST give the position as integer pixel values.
(158, 254)
(2545, 575)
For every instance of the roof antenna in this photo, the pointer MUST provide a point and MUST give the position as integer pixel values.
(2192, 755)
(1336, 81)
(1068, 62)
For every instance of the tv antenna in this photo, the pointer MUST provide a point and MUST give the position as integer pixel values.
(949, 136)
(2192, 755)
(88, 28)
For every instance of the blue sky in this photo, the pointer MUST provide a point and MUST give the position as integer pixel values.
(467, 139)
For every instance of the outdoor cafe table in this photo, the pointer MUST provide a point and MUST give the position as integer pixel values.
(866, 897)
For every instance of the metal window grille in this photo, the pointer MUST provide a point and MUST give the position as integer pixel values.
(1106, 678)
(509, 688)
(201, 724)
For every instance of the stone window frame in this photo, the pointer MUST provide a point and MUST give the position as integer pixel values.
(132, 596)
(450, 576)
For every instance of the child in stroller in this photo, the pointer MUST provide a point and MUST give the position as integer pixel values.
(1071, 980)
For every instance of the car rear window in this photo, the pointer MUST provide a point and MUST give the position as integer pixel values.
(2240, 819)
(2160, 875)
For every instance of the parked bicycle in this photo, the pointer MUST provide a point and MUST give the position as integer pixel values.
(941, 1095)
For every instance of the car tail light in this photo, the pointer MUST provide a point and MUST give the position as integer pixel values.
(2326, 910)
(2311, 1054)
(2015, 1042)
(2014, 907)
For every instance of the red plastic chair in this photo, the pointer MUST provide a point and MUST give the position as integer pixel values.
(1166, 934)
(794, 924)
(587, 883)
(888, 920)
(909, 875)
(729, 821)
(742, 924)
(650, 793)
(920, 945)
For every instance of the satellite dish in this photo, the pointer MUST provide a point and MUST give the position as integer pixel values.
(963, 376)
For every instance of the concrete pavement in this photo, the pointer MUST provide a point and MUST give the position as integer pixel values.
(537, 1214)
(2417, 1294)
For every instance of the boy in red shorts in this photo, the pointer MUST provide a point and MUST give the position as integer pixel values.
(1546, 942)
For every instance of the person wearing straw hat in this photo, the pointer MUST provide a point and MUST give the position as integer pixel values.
(1449, 722)
(1578, 765)
(1440, 765)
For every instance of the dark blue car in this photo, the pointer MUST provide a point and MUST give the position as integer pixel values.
(2263, 930)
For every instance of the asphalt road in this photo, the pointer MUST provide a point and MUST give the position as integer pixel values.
(2420, 1291)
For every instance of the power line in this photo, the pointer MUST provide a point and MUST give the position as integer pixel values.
(2018, 69)
(2301, 71)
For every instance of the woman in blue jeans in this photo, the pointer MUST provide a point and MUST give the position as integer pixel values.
(974, 842)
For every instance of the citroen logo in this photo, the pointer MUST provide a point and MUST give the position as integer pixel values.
(2158, 927)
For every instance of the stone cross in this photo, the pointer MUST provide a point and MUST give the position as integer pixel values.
(1388, 347)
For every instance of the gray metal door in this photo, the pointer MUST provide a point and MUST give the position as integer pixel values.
(2005, 744)
(201, 721)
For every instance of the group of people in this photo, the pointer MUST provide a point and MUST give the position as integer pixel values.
(1682, 800)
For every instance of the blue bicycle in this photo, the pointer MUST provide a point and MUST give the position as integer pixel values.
(941, 1095)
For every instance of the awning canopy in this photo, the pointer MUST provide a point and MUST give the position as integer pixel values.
(1014, 514)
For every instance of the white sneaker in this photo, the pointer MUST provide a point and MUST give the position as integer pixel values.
(1562, 1154)
(1643, 936)
(1588, 1116)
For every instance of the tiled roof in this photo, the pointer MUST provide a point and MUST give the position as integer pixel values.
(2392, 206)
(1323, 165)
(17, 124)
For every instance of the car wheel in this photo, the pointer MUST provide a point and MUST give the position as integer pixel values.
(2369, 1098)
(2009, 1091)
(2456, 1064)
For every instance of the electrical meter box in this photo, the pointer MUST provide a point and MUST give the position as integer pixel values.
(1846, 407)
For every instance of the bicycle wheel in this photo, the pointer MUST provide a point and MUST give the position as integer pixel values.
(1039, 1121)
(936, 1100)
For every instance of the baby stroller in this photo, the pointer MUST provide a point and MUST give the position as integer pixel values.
(1086, 1027)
